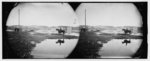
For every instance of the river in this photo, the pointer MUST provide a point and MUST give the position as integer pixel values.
(50, 49)
(116, 49)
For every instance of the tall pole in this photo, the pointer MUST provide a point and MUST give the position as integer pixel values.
(85, 17)
(19, 17)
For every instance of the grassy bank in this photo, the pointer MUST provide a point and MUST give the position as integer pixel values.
(87, 46)
(120, 36)
(56, 36)
(21, 41)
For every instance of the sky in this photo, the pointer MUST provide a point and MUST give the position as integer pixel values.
(61, 14)
(109, 14)
(44, 14)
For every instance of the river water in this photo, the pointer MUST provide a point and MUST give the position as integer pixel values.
(112, 49)
(50, 49)
(116, 49)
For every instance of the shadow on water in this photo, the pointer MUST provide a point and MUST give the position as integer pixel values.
(126, 41)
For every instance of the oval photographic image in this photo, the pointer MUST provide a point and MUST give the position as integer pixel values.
(109, 30)
(42, 30)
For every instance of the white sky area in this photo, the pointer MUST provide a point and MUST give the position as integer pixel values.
(45, 14)
(109, 14)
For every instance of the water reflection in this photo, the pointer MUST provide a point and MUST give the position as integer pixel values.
(126, 41)
(60, 41)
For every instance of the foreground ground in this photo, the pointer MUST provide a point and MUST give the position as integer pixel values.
(87, 46)
(22, 43)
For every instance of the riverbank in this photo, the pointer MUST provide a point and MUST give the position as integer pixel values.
(120, 36)
(23, 42)
(88, 46)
